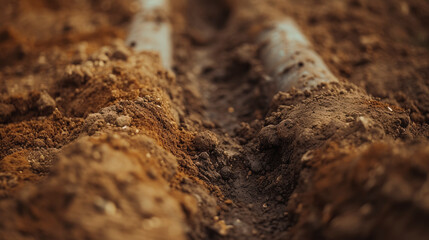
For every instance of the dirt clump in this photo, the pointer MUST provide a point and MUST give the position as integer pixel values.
(205, 141)
(107, 184)
(360, 194)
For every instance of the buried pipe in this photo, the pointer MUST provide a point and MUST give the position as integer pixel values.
(289, 58)
(151, 30)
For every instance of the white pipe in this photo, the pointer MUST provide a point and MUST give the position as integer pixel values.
(151, 30)
(290, 59)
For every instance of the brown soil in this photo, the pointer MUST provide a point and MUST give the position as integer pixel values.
(99, 142)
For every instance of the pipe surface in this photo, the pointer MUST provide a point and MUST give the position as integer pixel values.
(151, 30)
(290, 59)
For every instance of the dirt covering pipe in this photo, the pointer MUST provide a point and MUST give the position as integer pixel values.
(290, 59)
(151, 30)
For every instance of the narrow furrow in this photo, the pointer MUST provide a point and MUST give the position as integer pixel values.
(232, 85)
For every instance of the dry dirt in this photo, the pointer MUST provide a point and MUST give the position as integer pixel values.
(100, 142)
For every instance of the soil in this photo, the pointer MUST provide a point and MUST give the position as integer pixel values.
(100, 142)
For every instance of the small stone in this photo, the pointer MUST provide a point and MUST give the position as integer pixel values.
(121, 53)
(350, 119)
(226, 173)
(110, 116)
(99, 57)
(123, 121)
(205, 141)
(363, 122)
(46, 104)
(57, 115)
(105, 206)
(268, 136)
(204, 155)
(307, 156)
(221, 228)
(307, 93)
(93, 122)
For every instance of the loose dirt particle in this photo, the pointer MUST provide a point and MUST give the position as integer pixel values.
(46, 104)
(206, 141)
(204, 155)
(123, 121)
(121, 53)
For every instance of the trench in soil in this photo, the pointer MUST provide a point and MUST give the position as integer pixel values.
(232, 97)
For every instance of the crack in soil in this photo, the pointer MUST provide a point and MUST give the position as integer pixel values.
(233, 97)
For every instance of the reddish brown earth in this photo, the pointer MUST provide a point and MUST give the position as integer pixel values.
(99, 142)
